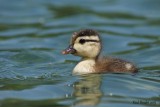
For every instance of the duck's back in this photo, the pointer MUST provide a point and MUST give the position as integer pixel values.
(109, 64)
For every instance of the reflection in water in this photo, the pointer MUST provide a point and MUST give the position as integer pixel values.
(33, 32)
(87, 90)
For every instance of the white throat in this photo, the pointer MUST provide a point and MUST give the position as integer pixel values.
(84, 67)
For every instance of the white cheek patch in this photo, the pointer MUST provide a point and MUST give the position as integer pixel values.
(78, 46)
(90, 48)
(87, 45)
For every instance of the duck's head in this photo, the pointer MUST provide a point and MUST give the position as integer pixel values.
(85, 43)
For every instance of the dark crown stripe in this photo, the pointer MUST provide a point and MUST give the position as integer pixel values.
(87, 32)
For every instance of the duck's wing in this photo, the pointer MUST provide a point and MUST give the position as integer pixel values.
(109, 64)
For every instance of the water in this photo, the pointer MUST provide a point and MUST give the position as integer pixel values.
(34, 73)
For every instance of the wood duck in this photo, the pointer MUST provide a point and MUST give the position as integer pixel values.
(87, 44)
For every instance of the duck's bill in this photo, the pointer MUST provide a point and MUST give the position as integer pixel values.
(69, 50)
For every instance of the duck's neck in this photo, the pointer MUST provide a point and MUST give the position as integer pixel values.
(85, 66)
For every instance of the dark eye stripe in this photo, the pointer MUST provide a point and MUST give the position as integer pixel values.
(82, 41)
(88, 40)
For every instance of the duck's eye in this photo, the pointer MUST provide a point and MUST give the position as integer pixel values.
(82, 41)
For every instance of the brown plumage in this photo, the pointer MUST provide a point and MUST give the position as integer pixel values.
(110, 64)
(87, 44)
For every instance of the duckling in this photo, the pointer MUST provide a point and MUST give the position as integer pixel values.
(87, 44)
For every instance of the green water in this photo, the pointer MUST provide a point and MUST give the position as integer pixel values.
(33, 73)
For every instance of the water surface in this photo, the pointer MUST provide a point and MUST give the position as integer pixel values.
(34, 73)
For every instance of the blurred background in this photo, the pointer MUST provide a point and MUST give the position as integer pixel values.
(34, 73)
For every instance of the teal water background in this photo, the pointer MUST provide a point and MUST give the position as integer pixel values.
(33, 72)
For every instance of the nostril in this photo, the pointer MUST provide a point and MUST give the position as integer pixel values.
(69, 50)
